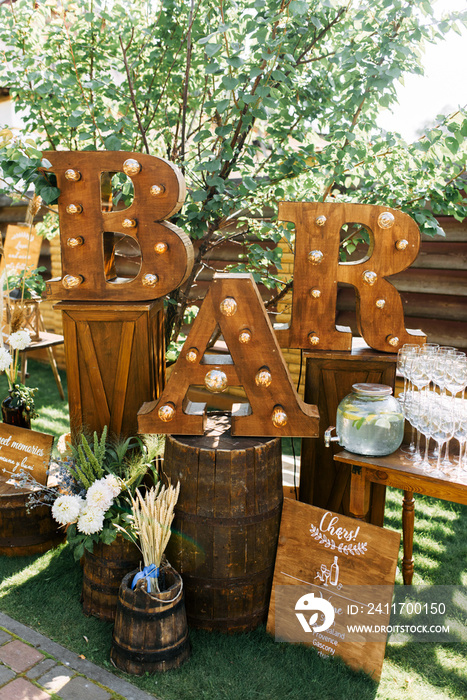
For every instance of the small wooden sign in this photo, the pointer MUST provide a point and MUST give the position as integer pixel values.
(21, 249)
(333, 575)
(24, 450)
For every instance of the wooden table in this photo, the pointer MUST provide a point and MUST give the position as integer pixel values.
(396, 470)
(46, 342)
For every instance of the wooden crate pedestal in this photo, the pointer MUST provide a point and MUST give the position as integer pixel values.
(329, 378)
(226, 524)
(151, 631)
(103, 570)
(115, 361)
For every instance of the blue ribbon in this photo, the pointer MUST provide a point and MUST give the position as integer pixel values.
(149, 571)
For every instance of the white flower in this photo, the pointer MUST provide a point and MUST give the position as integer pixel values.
(66, 509)
(91, 520)
(100, 495)
(5, 359)
(114, 484)
(19, 340)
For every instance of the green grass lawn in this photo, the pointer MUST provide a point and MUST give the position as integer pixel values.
(44, 592)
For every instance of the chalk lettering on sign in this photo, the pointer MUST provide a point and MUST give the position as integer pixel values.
(337, 538)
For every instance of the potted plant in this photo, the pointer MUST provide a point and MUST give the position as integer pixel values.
(151, 631)
(17, 408)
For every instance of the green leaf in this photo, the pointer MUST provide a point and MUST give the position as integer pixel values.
(452, 144)
(229, 82)
(212, 49)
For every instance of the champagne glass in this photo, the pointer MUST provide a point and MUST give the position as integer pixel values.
(442, 426)
(424, 425)
(460, 433)
(455, 382)
(402, 358)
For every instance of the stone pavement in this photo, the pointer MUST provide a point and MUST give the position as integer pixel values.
(33, 667)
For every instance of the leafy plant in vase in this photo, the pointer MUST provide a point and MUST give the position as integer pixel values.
(17, 408)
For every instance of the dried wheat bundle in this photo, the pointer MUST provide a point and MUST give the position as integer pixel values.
(152, 518)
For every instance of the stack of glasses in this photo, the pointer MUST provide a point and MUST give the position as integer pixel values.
(430, 372)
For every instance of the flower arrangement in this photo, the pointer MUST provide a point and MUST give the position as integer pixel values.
(150, 523)
(96, 506)
(21, 396)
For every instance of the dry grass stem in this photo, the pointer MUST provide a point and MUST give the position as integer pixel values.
(151, 521)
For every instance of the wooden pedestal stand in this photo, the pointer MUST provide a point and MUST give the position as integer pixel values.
(329, 378)
(115, 361)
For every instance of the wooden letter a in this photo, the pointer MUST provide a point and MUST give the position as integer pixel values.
(255, 362)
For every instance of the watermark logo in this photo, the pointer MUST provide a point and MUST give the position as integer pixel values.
(309, 604)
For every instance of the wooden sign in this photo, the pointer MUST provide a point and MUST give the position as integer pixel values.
(24, 450)
(86, 231)
(395, 241)
(333, 574)
(21, 249)
(233, 304)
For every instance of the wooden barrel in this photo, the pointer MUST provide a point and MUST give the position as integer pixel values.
(226, 525)
(22, 531)
(150, 632)
(103, 571)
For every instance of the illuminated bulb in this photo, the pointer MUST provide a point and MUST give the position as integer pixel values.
(128, 223)
(402, 244)
(161, 248)
(215, 381)
(315, 257)
(393, 340)
(369, 277)
(313, 339)
(131, 167)
(157, 190)
(166, 412)
(263, 377)
(75, 241)
(279, 417)
(74, 209)
(320, 220)
(228, 306)
(315, 293)
(386, 219)
(380, 303)
(150, 280)
(244, 336)
(70, 281)
(192, 355)
(73, 175)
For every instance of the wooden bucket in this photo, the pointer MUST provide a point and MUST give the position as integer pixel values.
(24, 532)
(226, 525)
(150, 632)
(103, 570)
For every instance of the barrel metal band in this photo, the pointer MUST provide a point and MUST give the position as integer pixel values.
(239, 521)
(264, 576)
(159, 615)
(149, 657)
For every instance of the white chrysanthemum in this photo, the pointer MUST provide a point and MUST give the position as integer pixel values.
(19, 340)
(114, 484)
(5, 359)
(91, 520)
(66, 509)
(100, 495)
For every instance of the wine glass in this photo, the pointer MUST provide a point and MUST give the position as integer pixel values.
(442, 428)
(455, 382)
(402, 359)
(460, 433)
(424, 425)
